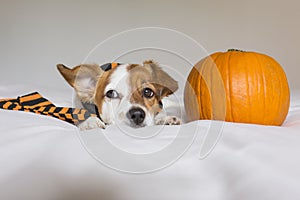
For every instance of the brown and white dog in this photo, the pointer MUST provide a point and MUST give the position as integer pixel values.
(128, 93)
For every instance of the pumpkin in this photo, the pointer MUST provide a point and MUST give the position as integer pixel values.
(237, 86)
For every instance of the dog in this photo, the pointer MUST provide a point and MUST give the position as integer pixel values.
(128, 93)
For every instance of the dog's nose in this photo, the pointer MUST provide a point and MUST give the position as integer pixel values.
(137, 115)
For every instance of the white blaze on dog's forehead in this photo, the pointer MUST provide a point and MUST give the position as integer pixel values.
(119, 80)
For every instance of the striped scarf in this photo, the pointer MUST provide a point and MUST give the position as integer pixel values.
(35, 103)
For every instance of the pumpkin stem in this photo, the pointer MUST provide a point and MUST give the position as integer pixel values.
(235, 50)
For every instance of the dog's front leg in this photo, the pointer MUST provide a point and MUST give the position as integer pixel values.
(91, 123)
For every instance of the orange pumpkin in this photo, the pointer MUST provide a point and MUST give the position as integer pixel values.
(237, 86)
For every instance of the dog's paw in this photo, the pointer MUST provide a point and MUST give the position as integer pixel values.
(168, 120)
(91, 123)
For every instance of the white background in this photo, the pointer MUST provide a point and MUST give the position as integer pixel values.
(36, 35)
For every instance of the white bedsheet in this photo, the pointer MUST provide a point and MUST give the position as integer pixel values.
(43, 158)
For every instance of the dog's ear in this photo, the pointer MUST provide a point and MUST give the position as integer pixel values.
(83, 78)
(163, 81)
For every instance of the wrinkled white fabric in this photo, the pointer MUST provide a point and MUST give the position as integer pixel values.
(45, 158)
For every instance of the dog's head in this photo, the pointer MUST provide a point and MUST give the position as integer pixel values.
(129, 93)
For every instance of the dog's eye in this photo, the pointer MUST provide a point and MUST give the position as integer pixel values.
(112, 94)
(148, 93)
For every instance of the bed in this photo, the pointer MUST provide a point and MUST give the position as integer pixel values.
(46, 158)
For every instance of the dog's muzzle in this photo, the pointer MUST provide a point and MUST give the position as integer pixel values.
(136, 116)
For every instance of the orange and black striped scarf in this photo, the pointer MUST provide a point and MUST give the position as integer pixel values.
(35, 103)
